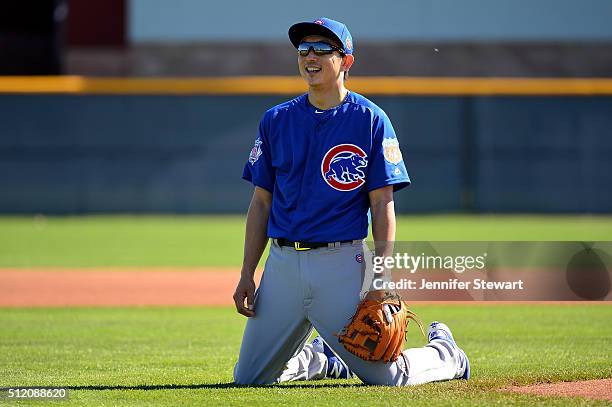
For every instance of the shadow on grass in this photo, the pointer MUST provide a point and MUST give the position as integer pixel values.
(213, 386)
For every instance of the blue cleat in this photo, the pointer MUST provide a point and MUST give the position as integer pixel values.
(336, 368)
(439, 331)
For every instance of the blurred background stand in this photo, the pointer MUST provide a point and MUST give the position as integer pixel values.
(31, 37)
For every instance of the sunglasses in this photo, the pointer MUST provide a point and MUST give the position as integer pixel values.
(319, 48)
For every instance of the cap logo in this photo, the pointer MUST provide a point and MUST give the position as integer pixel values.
(320, 22)
(348, 43)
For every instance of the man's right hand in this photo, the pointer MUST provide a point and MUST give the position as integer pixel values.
(245, 290)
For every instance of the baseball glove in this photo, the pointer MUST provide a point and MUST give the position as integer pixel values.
(377, 331)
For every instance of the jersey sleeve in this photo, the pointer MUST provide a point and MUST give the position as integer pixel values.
(258, 170)
(386, 164)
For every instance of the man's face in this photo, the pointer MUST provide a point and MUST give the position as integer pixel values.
(320, 70)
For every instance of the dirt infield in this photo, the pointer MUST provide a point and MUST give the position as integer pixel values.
(50, 287)
(593, 389)
(116, 287)
(129, 287)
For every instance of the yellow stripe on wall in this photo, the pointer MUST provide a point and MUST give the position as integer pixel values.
(290, 85)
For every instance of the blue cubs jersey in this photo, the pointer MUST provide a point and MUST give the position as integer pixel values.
(320, 166)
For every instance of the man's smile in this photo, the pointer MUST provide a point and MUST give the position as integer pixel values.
(312, 69)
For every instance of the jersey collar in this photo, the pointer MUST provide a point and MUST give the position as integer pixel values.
(319, 114)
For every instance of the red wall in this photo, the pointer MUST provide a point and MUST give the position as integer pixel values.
(97, 23)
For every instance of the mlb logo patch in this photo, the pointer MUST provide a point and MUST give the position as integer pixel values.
(255, 152)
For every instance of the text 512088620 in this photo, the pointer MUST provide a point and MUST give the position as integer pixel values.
(34, 393)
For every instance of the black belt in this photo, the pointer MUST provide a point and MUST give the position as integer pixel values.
(306, 245)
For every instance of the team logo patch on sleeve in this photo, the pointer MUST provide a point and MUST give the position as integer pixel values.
(342, 167)
(255, 151)
(391, 150)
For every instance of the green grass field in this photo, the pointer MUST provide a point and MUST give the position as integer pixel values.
(185, 355)
(99, 241)
(178, 356)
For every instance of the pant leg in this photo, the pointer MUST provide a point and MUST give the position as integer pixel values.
(308, 364)
(335, 278)
(279, 328)
(434, 362)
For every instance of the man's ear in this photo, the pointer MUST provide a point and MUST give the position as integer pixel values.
(347, 62)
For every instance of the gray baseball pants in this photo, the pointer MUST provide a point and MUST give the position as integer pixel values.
(320, 288)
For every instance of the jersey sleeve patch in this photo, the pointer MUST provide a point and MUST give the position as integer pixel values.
(255, 151)
(391, 151)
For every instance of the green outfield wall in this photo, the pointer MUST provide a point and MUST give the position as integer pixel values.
(88, 153)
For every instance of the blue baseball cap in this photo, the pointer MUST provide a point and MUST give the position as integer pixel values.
(325, 27)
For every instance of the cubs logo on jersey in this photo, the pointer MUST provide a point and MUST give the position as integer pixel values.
(255, 151)
(343, 167)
